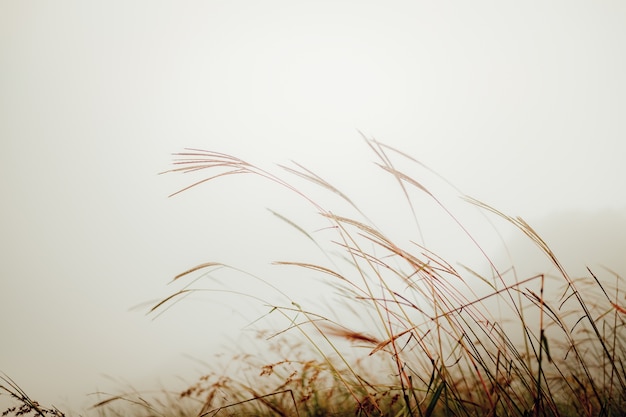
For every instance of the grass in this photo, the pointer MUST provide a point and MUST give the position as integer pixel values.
(24, 405)
(408, 333)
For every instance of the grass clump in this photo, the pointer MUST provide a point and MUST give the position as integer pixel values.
(408, 333)
(433, 342)
(23, 404)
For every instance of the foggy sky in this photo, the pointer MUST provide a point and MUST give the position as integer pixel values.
(519, 105)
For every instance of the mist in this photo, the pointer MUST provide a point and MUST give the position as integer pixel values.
(518, 105)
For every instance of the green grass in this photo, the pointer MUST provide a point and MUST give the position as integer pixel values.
(410, 333)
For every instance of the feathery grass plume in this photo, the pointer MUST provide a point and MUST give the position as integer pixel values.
(411, 334)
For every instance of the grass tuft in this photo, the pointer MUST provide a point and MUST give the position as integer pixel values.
(406, 332)
(433, 345)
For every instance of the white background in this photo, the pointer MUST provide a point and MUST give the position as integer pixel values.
(519, 104)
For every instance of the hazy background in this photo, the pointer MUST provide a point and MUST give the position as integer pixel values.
(519, 104)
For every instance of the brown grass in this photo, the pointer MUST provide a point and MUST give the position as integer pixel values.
(408, 332)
